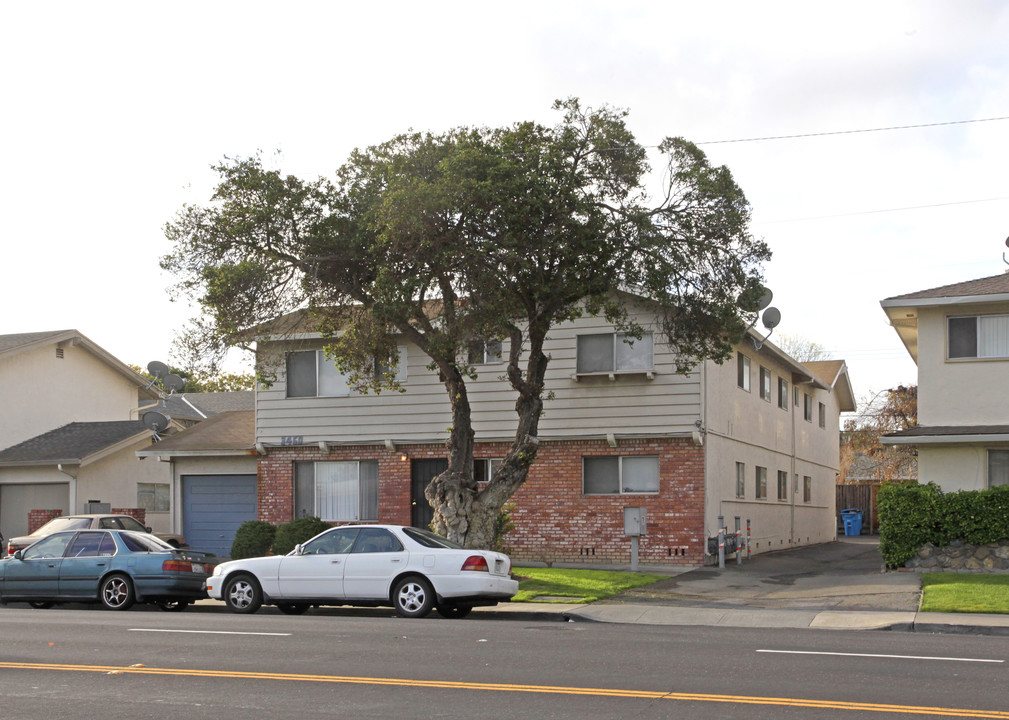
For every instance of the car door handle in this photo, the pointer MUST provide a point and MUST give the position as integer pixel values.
(395, 560)
(335, 562)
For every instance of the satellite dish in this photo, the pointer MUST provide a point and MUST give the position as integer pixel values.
(158, 369)
(765, 299)
(771, 318)
(173, 383)
(155, 421)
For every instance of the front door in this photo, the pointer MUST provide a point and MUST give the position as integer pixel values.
(421, 474)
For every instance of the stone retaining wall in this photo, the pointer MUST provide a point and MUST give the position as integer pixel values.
(962, 557)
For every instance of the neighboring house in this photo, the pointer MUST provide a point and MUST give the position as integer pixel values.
(212, 467)
(756, 437)
(49, 379)
(64, 403)
(958, 336)
(79, 463)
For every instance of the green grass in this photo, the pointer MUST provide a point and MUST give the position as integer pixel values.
(575, 586)
(964, 593)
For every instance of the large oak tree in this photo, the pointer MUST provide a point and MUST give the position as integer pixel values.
(470, 236)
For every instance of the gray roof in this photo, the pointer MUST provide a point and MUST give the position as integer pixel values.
(994, 285)
(71, 443)
(228, 433)
(16, 340)
(209, 404)
(950, 431)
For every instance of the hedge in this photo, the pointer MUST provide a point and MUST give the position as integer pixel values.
(252, 539)
(296, 532)
(911, 515)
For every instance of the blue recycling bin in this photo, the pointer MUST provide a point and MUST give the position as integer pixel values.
(852, 521)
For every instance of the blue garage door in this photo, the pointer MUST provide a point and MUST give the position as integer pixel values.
(213, 506)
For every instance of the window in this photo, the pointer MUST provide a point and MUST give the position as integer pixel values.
(337, 491)
(765, 384)
(376, 540)
(92, 544)
(807, 489)
(618, 475)
(807, 407)
(743, 371)
(740, 480)
(311, 374)
(51, 547)
(977, 336)
(783, 393)
(484, 468)
(122, 522)
(782, 485)
(153, 497)
(484, 353)
(823, 415)
(614, 352)
(333, 542)
(761, 486)
(998, 467)
(385, 367)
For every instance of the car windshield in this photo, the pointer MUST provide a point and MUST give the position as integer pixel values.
(63, 523)
(429, 539)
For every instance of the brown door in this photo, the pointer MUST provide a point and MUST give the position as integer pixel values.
(421, 474)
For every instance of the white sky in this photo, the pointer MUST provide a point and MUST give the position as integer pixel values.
(112, 114)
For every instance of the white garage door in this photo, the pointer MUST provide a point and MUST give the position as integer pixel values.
(17, 500)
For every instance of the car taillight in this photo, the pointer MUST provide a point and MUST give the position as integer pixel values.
(476, 562)
(177, 566)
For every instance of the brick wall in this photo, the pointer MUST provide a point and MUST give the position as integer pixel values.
(554, 520)
(38, 518)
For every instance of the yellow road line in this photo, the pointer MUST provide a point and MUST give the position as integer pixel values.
(504, 687)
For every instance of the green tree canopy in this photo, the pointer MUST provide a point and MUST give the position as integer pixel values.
(471, 235)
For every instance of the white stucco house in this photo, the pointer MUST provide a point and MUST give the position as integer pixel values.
(958, 335)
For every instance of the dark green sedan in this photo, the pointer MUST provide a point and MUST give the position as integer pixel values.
(114, 567)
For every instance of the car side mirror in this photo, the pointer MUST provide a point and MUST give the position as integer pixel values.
(17, 555)
(148, 529)
(299, 549)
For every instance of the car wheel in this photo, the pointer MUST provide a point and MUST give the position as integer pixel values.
(173, 605)
(116, 592)
(41, 605)
(292, 608)
(413, 597)
(242, 594)
(454, 612)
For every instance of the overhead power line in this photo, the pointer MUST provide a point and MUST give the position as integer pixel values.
(873, 212)
(851, 132)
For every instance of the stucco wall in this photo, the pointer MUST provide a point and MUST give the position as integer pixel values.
(953, 467)
(42, 392)
(958, 392)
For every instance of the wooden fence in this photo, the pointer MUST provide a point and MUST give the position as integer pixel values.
(861, 497)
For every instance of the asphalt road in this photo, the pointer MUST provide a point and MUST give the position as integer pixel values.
(81, 663)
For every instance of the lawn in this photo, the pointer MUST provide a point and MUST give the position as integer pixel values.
(965, 593)
(575, 586)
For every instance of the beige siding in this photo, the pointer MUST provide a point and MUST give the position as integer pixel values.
(40, 392)
(958, 392)
(629, 404)
(743, 427)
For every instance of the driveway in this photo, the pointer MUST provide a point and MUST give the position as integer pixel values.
(842, 575)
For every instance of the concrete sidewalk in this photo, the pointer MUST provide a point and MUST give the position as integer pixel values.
(837, 585)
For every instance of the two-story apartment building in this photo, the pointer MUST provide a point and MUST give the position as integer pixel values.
(958, 335)
(755, 437)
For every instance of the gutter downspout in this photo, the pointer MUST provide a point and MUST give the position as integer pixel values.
(71, 487)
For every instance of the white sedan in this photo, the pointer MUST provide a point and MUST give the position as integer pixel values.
(413, 570)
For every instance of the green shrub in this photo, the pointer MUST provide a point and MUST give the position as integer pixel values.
(911, 515)
(252, 539)
(296, 532)
(502, 526)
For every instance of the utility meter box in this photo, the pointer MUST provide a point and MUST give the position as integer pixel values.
(634, 521)
(93, 506)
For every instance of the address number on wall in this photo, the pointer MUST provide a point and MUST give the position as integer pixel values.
(292, 439)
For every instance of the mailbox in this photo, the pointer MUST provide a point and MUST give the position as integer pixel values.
(634, 521)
